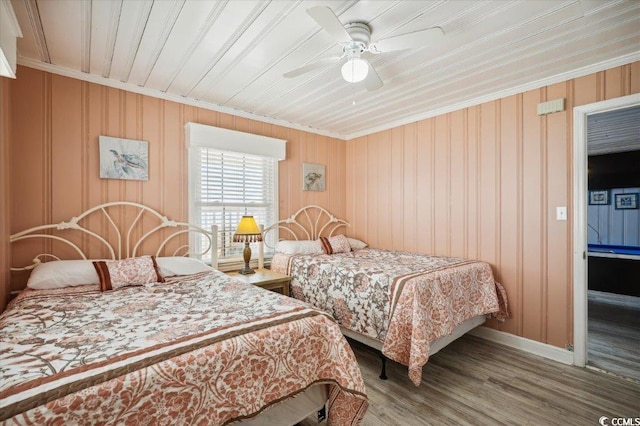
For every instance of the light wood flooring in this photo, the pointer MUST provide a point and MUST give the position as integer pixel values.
(614, 333)
(476, 382)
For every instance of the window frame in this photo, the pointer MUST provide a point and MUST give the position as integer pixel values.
(238, 143)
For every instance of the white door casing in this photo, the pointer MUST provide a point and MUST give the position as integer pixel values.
(580, 114)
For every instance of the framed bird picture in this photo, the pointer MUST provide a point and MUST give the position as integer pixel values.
(123, 158)
(313, 177)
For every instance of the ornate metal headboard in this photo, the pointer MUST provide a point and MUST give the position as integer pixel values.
(310, 223)
(124, 241)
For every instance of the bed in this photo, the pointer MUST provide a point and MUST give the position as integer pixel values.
(189, 346)
(406, 305)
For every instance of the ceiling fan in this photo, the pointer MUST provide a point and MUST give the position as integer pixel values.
(355, 39)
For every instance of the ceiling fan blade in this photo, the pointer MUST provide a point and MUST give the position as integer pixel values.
(372, 81)
(408, 41)
(328, 20)
(312, 66)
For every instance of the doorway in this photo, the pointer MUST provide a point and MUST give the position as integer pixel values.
(581, 226)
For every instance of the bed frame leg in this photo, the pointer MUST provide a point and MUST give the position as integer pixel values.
(383, 373)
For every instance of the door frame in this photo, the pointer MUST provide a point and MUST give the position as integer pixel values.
(580, 315)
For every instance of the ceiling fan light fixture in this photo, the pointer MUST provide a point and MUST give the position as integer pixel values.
(355, 70)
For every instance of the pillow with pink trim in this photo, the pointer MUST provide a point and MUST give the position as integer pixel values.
(337, 244)
(135, 271)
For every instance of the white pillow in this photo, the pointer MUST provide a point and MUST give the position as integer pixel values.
(62, 273)
(180, 265)
(299, 247)
(356, 244)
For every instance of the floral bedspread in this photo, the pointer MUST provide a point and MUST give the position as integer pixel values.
(202, 350)
(404, 300)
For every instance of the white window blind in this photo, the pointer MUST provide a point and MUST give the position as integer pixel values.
(229, 185)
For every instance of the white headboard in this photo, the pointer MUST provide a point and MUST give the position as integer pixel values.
(309, 223)
(118, 241)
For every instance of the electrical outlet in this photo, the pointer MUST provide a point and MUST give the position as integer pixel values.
(561, 213)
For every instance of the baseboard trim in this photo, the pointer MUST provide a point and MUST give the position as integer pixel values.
(531, 346)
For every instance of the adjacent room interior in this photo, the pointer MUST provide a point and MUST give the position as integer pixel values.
(614, 241)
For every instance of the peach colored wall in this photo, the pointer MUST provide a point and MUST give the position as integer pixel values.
(5, 253)
(484, 183)
(56, 124)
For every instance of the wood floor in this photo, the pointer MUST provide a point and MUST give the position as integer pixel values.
(475, 382)
(614, 333)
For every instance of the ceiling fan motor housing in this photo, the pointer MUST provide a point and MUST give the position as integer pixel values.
(361, 35)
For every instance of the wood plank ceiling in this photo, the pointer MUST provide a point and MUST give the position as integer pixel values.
(614, 131)
(230, 55)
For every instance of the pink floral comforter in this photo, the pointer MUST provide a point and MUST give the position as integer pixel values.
(204, 350)
(404, 300)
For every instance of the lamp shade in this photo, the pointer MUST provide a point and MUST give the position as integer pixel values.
(355, 70)
(247, 231)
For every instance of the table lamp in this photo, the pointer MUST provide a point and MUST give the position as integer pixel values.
(247, 232)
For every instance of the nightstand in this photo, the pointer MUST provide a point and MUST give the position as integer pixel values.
(267, 279)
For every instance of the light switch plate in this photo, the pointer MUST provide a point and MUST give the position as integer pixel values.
(561, 213)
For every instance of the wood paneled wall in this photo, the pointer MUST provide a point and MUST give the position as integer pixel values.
(608, 225)
(5, 252)
(54, 152)
(484, 182)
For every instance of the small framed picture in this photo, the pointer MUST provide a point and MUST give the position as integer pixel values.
(313, 177)
(123, 158)
(599, 197)
(626, 201)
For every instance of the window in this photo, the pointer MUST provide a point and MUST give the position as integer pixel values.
(232, 185)
(225, 184)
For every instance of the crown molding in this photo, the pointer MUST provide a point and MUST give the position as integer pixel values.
(579, 72)
(91, 78)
